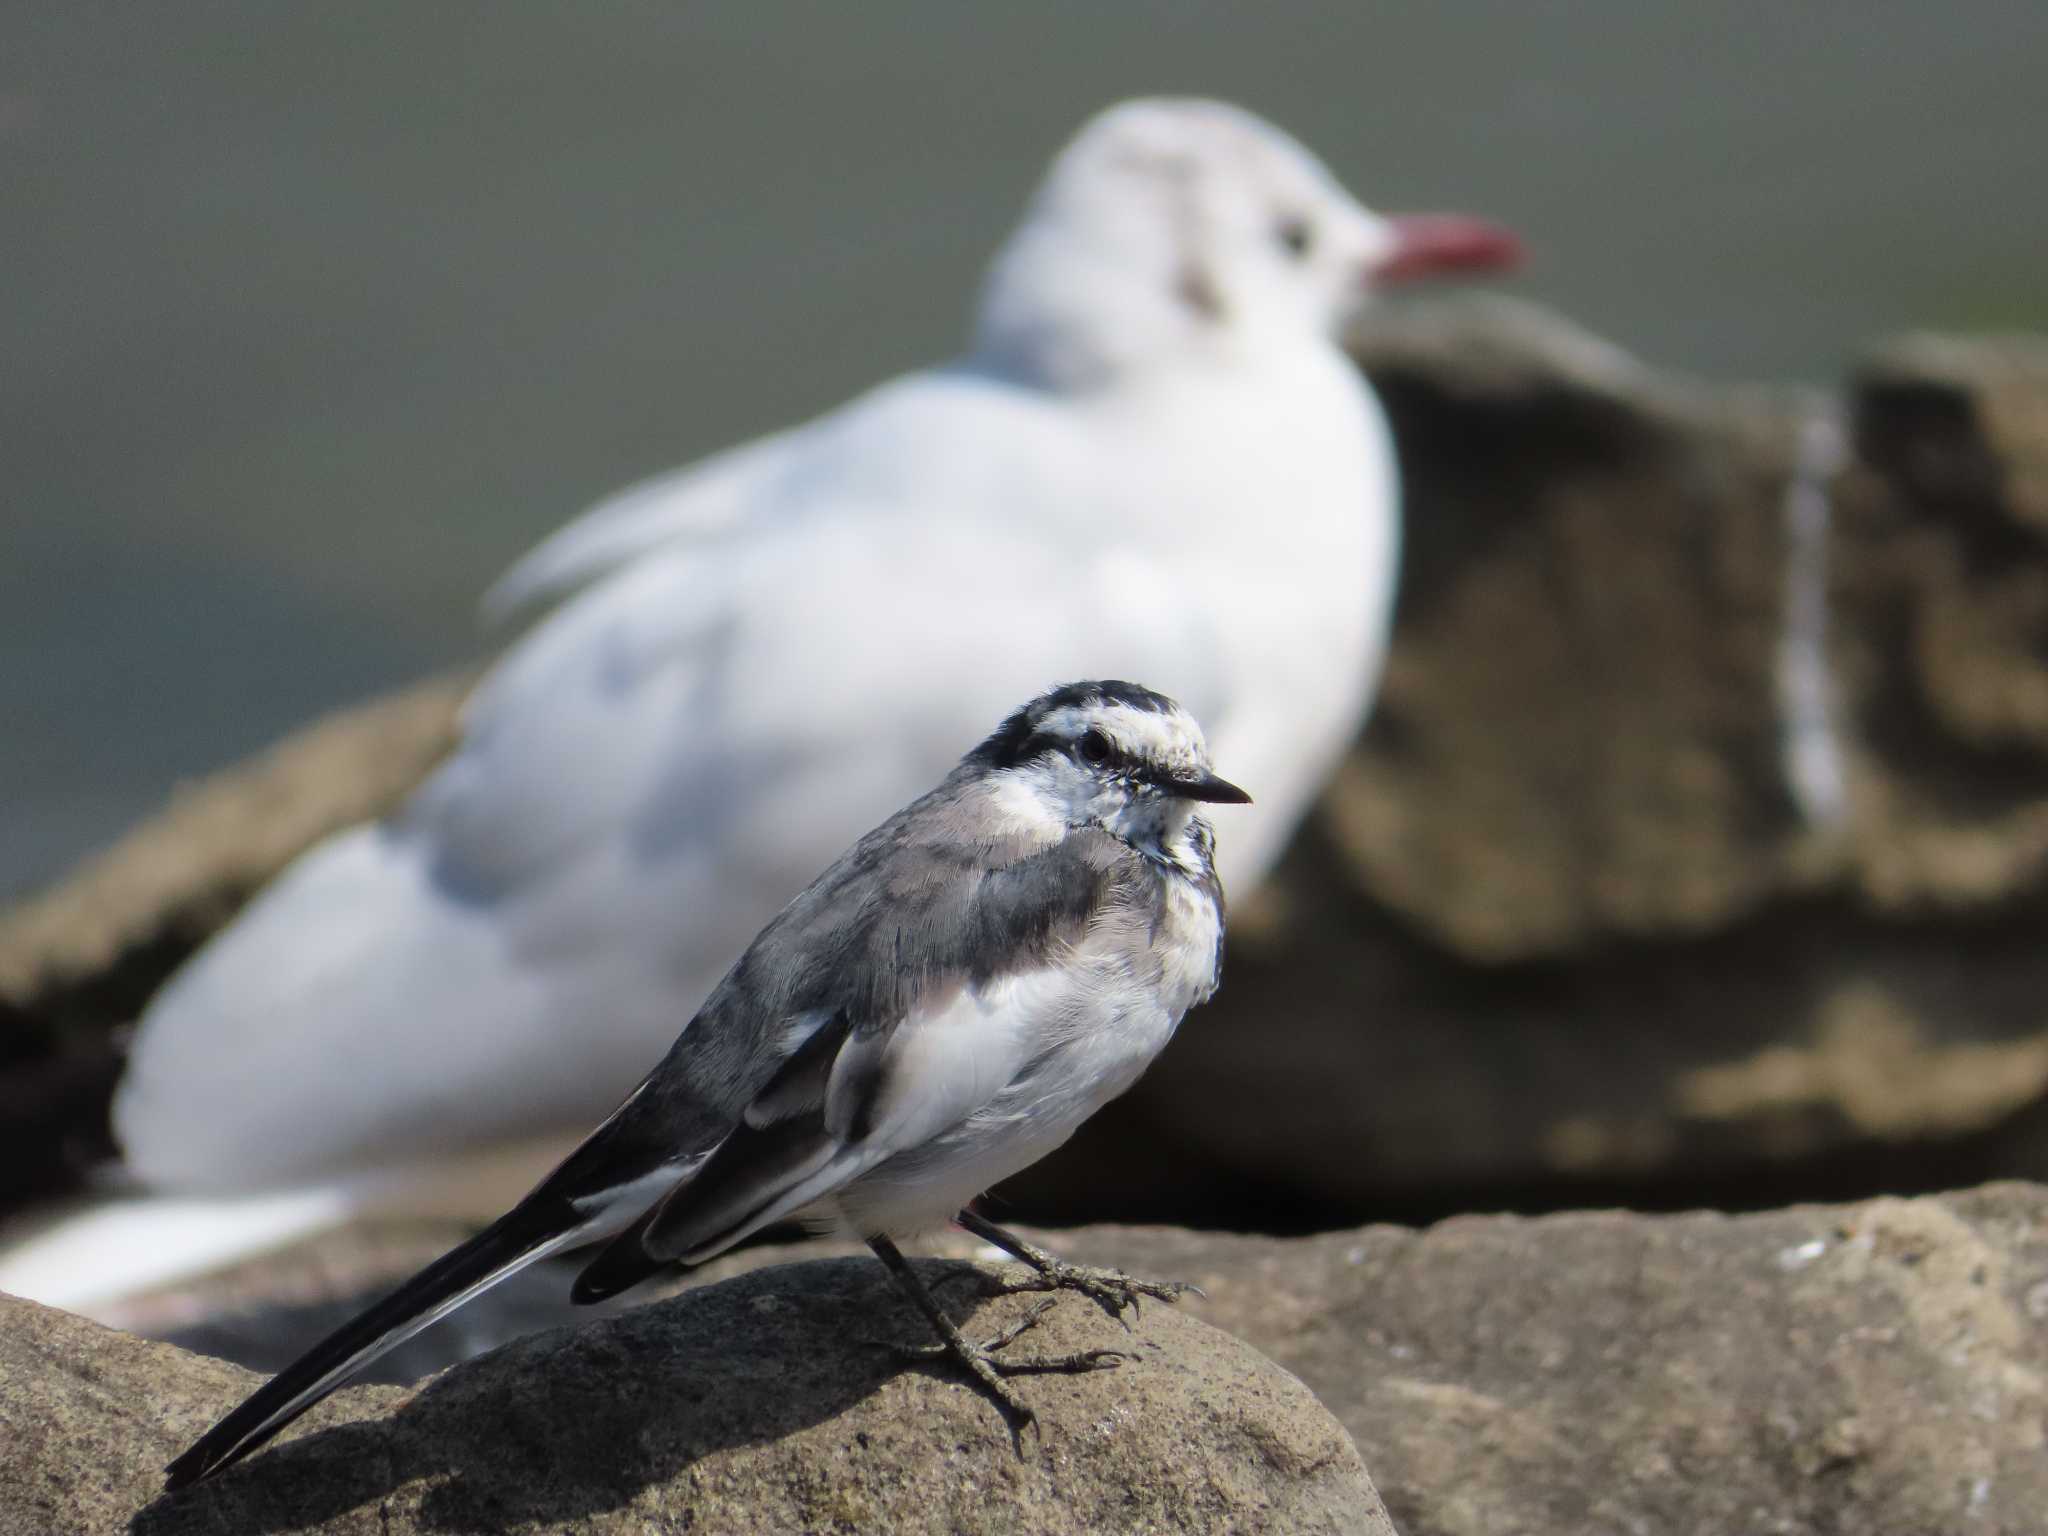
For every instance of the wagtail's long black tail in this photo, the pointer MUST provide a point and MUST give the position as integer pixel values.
(537, 1227)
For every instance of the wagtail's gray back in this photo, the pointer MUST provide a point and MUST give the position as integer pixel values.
(939, 1009)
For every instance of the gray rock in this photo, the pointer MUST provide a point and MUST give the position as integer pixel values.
(1872, 1368)
(755, 1405)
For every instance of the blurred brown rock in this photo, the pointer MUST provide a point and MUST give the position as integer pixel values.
(1943, 639)
(1694, 852)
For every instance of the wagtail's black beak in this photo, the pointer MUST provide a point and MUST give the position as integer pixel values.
(1206, 786)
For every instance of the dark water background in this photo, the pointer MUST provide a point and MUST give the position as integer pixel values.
(313, 316)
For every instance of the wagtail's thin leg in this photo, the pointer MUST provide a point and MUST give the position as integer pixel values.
(982, 1359)
(1111, 1288)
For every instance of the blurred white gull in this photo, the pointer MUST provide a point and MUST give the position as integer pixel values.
(1154, 461)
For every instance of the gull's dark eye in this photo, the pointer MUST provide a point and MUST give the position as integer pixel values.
(1297, 236)
(1094, 747)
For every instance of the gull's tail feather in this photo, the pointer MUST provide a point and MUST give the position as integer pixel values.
(532, 1231)
(101, 1254)
(91, 1259)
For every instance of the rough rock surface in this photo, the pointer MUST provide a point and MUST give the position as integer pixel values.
(1697, 850)
(1878, 1368)
(756, 1405)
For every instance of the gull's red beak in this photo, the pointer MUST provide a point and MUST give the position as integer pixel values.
(1432, 244)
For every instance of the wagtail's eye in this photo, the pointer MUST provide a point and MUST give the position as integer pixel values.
(1094, 747)
(1297, 236)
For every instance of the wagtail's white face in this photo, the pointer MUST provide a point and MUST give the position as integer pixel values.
(1112, 755)
(1170, 222)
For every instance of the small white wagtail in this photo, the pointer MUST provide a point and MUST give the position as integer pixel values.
(941, 1008)
(1152, 461)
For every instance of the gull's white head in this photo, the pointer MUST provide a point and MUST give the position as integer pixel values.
(1114, 755)
(1171, 225)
